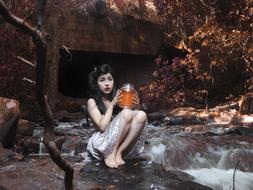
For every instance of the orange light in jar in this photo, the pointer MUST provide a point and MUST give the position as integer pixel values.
(127, 92)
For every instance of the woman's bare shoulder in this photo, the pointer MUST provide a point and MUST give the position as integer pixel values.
(91, 100)
(91, 103)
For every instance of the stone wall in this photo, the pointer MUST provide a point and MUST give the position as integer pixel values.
(89, 34)
(98, 34)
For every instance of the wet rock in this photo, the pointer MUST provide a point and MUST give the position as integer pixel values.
(35, 145)
(8, 155)
(65, 119)
(181, 120)
(25, 127)
(156, 123)
(80, 146)
(74, 145)
(60, 141)
(241, 131)
(246, 104)
(155, 116)
(68, 147)
(10, 137)
(245, 120)
(4, 153)
(2, 188)
(86, 125)
(151, 107)
(196, 128)
(31, 174)
(73, 129)
(184, 116)
(28, 145)
(192, 116)
(19, 157)
(214, 128)
(183, 111)
(74, 159)
(233, 105)
(9, 116)
(191, 185)
(221, 117)
(137, 174)
(59, 133)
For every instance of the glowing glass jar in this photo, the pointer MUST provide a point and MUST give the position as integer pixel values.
(127, 92)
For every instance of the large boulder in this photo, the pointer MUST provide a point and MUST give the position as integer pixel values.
(243, 120)
(4, 153)
(137, 174)
(9, 116)
(26, 127)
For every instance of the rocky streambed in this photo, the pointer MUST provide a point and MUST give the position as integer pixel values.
(186, 149)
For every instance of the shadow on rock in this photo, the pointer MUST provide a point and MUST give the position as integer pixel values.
(137, 174)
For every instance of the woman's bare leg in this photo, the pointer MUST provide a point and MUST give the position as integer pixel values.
(136, 128)
(126, 117)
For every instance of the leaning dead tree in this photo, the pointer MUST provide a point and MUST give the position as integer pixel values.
(38, 37)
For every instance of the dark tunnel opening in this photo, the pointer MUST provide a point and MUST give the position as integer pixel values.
(75, 66)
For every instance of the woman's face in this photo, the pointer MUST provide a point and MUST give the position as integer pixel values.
(105, 83)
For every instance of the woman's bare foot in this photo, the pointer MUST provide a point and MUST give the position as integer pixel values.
(110, 162)
(119, 160)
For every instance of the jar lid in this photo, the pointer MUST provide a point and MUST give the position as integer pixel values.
(127, 86)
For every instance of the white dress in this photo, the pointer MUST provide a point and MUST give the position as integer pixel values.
(101, 144)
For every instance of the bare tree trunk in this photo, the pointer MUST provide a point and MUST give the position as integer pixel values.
(41, 51)
(49, 137)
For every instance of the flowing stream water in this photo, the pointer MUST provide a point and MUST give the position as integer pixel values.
(210, 159)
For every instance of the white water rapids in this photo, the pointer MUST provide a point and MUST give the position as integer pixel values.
(211, 165)
(211, 160)
(220, 179)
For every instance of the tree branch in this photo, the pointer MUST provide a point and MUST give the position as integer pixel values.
(41, 59)
(18, 22)
(67, 50)
(40, 9)
(26, 61)
(29, 80)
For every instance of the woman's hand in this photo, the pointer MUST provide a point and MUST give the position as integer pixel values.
(136, 100)
(116, 98)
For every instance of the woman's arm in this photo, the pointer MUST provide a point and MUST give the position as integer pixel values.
(101, 121)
